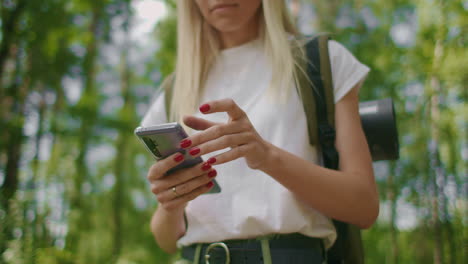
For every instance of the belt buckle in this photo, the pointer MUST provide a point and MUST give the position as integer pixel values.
(218, 244)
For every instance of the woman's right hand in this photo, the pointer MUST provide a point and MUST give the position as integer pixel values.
(175, 190)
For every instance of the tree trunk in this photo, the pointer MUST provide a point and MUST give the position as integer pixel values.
(435, 156)
(122, 146)
(448, 228)
(392, 196)
(55, 130)
(14, 129)
(88, 112)
(119, 172)
(35, 169)
(10, 22)
(438, 175)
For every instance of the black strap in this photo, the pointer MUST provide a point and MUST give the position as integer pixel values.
(326, 131)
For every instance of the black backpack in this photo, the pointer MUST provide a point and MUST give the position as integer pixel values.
(316, 90)
(319, 106)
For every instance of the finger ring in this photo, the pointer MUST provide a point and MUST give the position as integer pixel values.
(175, 192)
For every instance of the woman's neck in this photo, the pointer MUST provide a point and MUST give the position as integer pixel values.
(243, 35)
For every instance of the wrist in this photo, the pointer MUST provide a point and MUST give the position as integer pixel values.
(168, 224)
(173, 213)
(271, 158)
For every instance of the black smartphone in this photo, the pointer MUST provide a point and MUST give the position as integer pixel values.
(163, 140)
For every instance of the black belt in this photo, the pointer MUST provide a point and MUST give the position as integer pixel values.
(291, 248)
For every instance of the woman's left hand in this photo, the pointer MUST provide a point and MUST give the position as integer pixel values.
(238, 134)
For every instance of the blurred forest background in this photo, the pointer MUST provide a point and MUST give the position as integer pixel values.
(76, 77)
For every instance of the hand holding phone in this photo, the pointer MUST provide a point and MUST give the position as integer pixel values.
(163, 141)
(175, 190)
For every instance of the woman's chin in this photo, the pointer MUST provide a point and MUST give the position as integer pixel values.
(226, 26)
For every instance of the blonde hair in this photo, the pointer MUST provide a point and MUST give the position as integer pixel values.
(198, 45)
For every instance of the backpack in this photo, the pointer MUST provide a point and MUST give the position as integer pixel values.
(316, 91)
(319, 106)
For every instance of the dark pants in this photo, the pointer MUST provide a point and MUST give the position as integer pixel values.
(285, 249)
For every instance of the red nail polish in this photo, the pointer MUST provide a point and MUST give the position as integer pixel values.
(179, 157)
(211, 160)
(210, 184)
(204, 108)
(185, 143)
(194, 151)
(206, 166)
(212, 173)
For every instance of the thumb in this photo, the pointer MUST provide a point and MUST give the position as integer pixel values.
(198, 123)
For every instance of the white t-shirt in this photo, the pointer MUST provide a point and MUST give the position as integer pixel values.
(251, 203)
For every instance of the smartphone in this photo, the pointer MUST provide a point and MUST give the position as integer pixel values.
(163, 140)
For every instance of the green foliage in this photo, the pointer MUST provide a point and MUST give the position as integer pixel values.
(166, 33)
(82, 195)
(55, 256)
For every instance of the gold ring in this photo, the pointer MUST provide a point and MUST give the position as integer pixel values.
(175, 192)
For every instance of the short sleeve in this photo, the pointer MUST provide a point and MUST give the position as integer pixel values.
(157, 111)
(347, 71)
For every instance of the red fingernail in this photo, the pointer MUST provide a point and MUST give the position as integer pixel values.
(211, 160)
(212, 173)
(204, 108)
(210, 184)
(179, 157)
(194, 151)
(206, 166)
(185, 143)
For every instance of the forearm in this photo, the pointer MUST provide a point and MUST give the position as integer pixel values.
(339, 195)
(167, 228)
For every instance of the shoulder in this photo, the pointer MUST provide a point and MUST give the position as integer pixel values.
(347, 70)
(335, 48)
(339, 54)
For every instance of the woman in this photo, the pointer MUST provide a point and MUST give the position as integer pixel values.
(235, 61)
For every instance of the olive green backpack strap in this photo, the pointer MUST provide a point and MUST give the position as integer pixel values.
(321, 121)
(305, 88)
(167, 85)
(325, 73)
(313, 75)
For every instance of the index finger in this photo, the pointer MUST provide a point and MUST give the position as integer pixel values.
(224, 105)
(160, 168)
